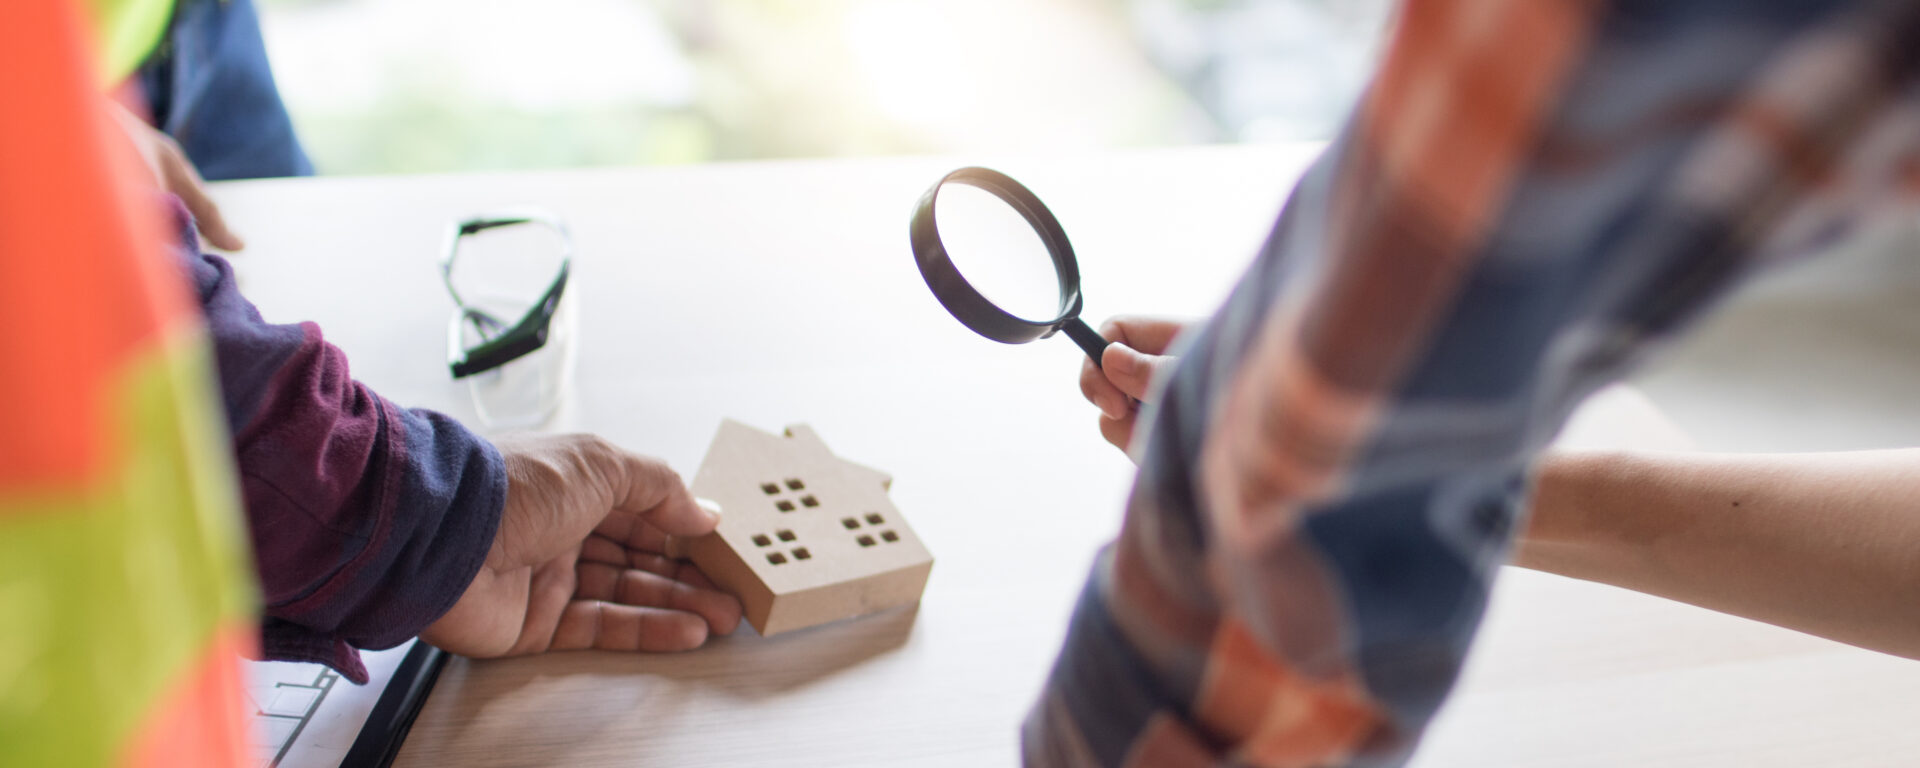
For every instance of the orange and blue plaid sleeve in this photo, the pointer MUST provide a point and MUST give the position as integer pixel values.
(1532, 196)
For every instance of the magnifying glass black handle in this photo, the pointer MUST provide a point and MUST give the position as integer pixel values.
(1089, 340)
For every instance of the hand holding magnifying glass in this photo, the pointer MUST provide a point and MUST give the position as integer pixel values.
(1138, 355)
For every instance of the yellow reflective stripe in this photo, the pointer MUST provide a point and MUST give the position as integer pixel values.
(126, 32)
(109, 593)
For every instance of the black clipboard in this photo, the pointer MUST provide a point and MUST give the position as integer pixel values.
(392, 716)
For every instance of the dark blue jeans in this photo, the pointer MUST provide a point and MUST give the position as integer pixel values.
(210, 88)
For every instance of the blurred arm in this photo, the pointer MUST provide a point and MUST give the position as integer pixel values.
(1823, 543)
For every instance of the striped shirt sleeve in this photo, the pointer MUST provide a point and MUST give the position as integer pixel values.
(1531, 198)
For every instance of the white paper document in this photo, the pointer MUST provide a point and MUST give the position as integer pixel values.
(306, 715)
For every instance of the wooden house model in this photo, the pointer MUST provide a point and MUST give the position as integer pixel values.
(805, 537)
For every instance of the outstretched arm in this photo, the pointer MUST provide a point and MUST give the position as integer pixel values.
(1825, 543)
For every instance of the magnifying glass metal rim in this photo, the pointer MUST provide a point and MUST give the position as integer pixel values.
(965, 302)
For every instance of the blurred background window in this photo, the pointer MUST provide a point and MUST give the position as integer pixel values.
(408, 86)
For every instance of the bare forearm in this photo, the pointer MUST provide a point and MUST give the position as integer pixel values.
(1823, 543)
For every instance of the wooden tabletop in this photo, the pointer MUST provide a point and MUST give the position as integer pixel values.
(785, 292)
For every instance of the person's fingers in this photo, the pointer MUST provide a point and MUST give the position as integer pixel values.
(641, 588)
(635, 537)
(1117, 431)
(1131, 371)
(652, 563)
(1152, 335)
(632, 532)
(600, 549)
(1101, 392)
(615, 627)
(549, 587)
(178, 176)
(651, 490)
(692, 574)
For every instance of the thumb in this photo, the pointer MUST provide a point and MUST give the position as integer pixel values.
(1131, 370)
(656, 494)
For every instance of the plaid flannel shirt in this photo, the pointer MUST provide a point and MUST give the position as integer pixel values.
(1531, 197)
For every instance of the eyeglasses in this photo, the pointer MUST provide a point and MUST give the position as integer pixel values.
(501, 342)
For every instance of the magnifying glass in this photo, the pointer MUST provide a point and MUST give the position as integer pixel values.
(985, 244)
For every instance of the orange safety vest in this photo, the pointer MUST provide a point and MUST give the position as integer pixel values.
(126, 596)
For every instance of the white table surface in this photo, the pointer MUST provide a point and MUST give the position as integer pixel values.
(785, 292)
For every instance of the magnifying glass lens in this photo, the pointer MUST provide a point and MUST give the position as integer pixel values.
(998, 252)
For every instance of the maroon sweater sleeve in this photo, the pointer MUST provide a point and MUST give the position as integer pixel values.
(368, 520)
